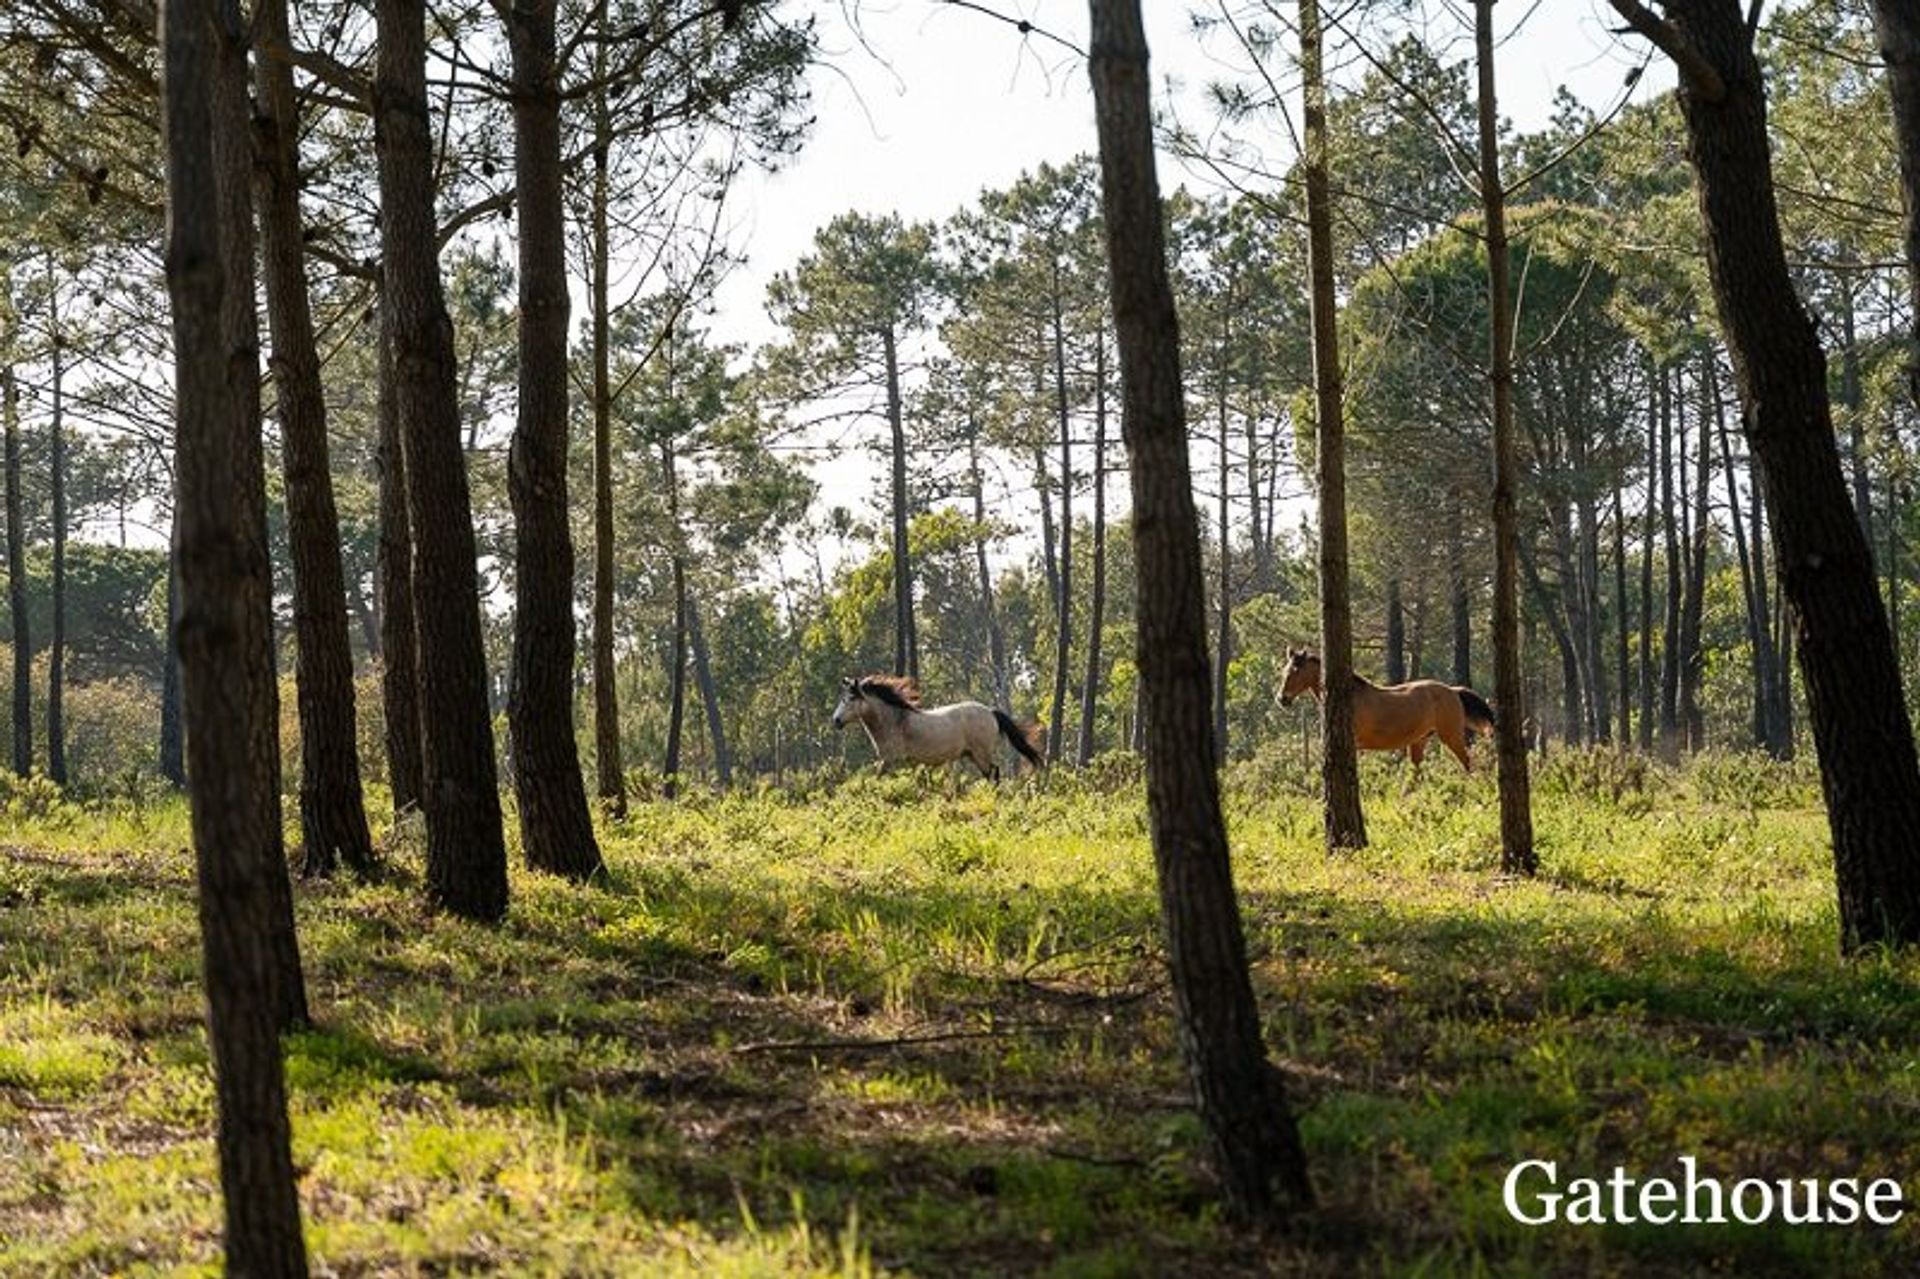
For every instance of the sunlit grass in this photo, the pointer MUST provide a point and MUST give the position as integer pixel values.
(910, 1026)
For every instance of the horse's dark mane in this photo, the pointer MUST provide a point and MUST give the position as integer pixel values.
(896, 691)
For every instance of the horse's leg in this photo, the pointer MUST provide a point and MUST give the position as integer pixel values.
(1456, 739)
(1414, 754)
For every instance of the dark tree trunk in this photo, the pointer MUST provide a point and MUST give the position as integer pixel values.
(1417, 633)
(1693, 660)
(57, 641)
(906, 644)
(1097, 605)
(609, 769)
(236, 824)
(1043, 489)
(1656, 389)
(173, 738)
(1849, 400)
(1552, 608)
(1593, 618)
(556, 829)
(1622, 674)
(1223, 636)
(677, 663)
(17, 587)
(233, 193)
(709, 697)
(1669, 509)
(1893, 565)
(466, 849)
(1063, 601)
(1339, 756)
(1860, 725)
(333, 815)
(1458, 600)
(399, 643)
(1759, 638)
(1898, 26)
(1396, 635)
(1516, 805)
(996, 642)
(1241, 1098)
(1570, 629)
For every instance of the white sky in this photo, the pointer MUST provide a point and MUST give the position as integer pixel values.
(961, 104)
(930, 104)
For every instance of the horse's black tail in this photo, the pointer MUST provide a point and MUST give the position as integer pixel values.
(1018, 736)
(1479, 714)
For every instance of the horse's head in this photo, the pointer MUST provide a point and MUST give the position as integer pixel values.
(1303, 676)
(853, 703)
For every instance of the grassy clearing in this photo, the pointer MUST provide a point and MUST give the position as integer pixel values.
(907, 1029)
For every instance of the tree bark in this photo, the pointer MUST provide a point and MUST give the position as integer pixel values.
(1759, 638)
(1063, 601)
(709, 697)
(1241, 1098)
(677, 664)
(1861, 730)
(399, 638)
(1459, 602)
(609, 769)
(17, 603)
(1622, 672)
(236, 824)
(1097, 605)
(906, 643)
(57, 640)
(173, 738)
(1675, 601)
(1396, 634)
(1223, 641)
(1516, 806)
(1693, 660)
(1656, 389)
(556, 828)
(1339, 757)
(466, 849)
(1898, 27)
(996, 642)
(333, 815)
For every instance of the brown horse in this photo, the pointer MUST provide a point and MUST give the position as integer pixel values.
(1402, 716)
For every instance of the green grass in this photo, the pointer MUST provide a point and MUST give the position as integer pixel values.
(677, 1071)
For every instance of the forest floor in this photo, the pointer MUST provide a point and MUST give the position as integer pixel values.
(910, 1027)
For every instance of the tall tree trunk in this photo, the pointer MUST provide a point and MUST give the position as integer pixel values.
(1458, 600)
(1223, 640)
(17, 586)
(1693, 658)
(333, 815)
(1553, 608)
(677, 667)
(1417, 633)
(1656, 390)
(1572, 626)
(1396, 635)
(466, 848)
(1097, 605)
(1516, 804)
(57, 645)
(610, 772)
(1861, 730)
(236, 824)
(709, 697)
(1759, 637)
(1241, 1097)
(1063, 602)
(1893, 565)
(173, 738)
(996, 641)
(1670, 510)
(399, 642)
(1043, 490)
(1622, 674)
(1599, 709)
(556, 829)
(906, 644)
(1849, 401)
(1339, 758)
(1898, 27)
(233, 155)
